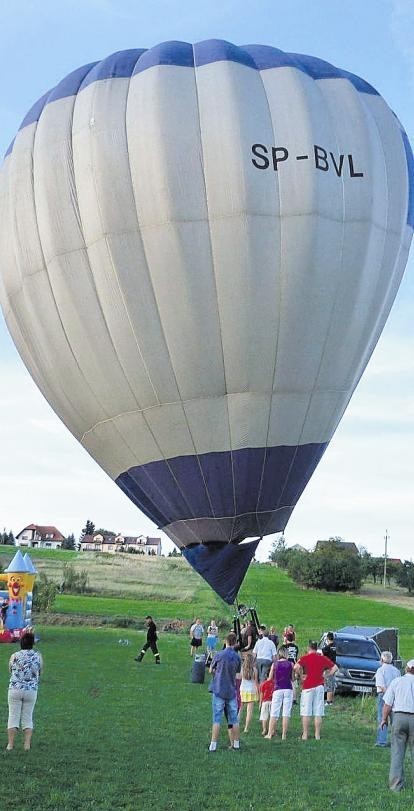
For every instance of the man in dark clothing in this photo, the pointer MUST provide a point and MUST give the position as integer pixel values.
(249, 637)
(291, 648)
(151, 641)
(329, 650)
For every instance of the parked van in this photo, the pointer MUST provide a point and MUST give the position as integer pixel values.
(358, 656)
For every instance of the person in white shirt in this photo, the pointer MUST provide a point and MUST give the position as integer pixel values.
(265, 653)
(196, 636)
(383, 678)
(399, 698)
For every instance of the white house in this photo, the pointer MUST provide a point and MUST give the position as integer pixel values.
(98, 542)
(35, 536)
(141, 544)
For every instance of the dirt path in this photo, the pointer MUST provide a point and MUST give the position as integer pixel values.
(391, 596)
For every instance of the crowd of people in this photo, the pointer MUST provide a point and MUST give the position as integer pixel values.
(257, 670)
(254, 669)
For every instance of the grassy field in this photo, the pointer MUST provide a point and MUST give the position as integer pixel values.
(136, 576)
(278, 600)
(111, 734)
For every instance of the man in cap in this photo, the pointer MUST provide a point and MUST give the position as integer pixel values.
(399, 698)
(151, 641)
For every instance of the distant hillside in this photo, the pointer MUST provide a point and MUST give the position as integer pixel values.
(124, 574)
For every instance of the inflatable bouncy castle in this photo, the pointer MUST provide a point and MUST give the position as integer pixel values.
(16, 600)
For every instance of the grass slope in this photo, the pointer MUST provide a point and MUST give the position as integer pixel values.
(278, 600)
(111, 734)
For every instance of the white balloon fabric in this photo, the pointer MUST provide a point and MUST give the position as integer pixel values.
(200, 245)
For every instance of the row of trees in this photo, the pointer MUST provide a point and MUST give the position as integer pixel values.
(7, 537)
(334, 568)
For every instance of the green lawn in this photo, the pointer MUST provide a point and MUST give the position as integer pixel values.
(8, 552)
(279, 601)
(121, 607)
(111, 734)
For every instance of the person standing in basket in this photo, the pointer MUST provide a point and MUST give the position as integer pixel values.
(25, 668)
(151, 642)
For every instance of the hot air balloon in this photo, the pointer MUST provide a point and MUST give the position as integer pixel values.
(200, 245)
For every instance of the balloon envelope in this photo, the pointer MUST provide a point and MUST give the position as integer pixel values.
(200, 247)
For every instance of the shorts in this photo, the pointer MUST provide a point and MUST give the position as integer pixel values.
(218, 705)
(196, 643)
(312, 701)
(330, 683)
(265, 711)
(282, 701)
(248, 695)
(212, 642)
(21, 706)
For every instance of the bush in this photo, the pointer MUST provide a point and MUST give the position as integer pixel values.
(44, 593)
(74, 582)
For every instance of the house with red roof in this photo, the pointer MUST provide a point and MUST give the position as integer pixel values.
(36, 536)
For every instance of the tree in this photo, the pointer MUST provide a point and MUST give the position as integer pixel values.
(374, 567)
(405, 576)
(280, 554)
(393, 570)
(329, 567)
(7, 538)
(69, 542)
(175, 554)
(105, 532)
(88, 529)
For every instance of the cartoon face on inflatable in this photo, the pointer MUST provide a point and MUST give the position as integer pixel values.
(217, 234)
(15, 585)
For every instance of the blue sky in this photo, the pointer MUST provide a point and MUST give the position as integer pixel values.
(365, 482)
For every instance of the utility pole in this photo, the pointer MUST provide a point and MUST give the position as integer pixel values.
(385, 558)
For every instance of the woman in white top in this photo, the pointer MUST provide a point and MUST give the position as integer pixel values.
(25, 668)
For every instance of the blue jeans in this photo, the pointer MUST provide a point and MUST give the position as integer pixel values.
(382, 734)
(218, 708)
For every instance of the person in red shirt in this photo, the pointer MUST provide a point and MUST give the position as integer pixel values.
(265, 694)
(312, 668)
